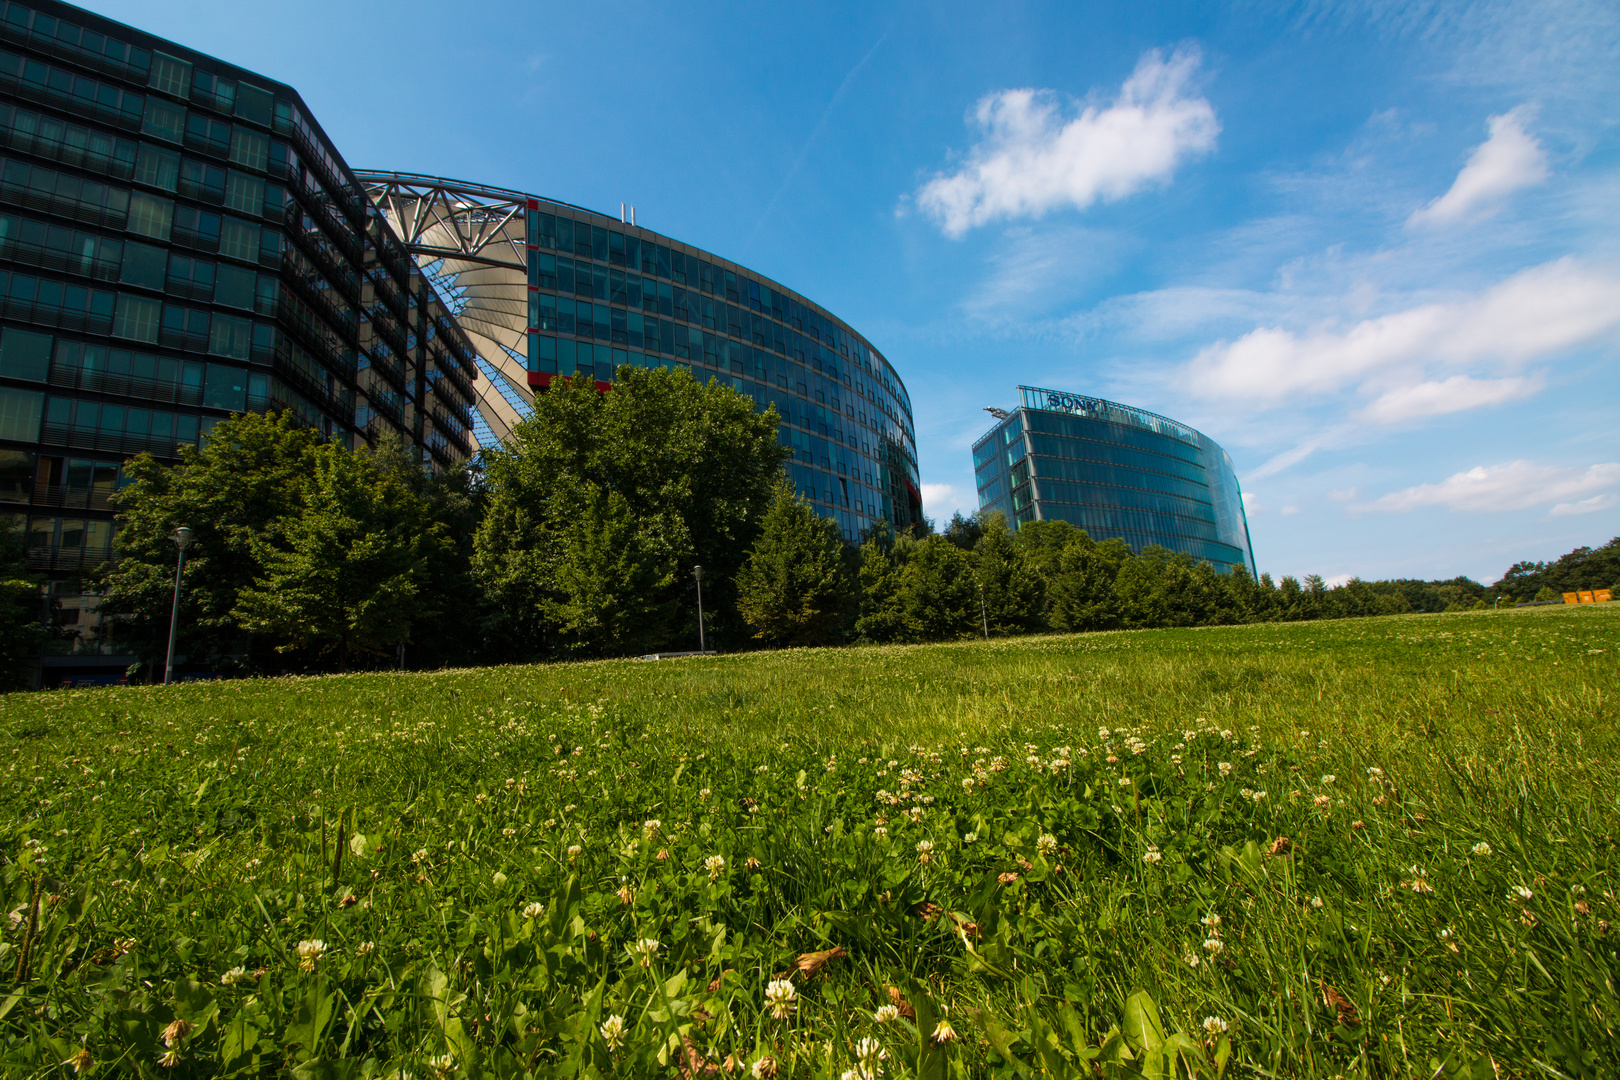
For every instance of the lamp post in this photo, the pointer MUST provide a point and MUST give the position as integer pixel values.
(182, 540)
(984, 617)
(697, 572)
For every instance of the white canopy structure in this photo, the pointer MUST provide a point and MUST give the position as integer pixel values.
(469, 239)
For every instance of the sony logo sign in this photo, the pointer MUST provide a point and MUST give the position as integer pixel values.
(1070, 403)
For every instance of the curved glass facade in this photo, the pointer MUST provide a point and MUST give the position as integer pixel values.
(604, 293)
(1116, 472)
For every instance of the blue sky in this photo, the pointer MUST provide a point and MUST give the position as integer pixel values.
(1371, 248)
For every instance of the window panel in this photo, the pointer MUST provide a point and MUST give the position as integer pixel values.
(157, 167)
(239, 240)
(150, 215)
(137, 318)
(144, 265)
(164, 120)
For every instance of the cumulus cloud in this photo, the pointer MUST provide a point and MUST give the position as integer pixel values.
(1532, 315)
(940, 500)
(1031, 159)
(1507, 161)
(1456, 394)
(1517, 485)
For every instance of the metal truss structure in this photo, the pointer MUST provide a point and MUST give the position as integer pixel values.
(470, 239)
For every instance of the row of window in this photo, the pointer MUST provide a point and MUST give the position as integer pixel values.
(1113, 434)
(1122, 457)
(1120, 476)
(1102, 494)
(95, 203)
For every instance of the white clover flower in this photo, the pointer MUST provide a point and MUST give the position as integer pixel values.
(703, 793)
(533, 909)
(1444, 935)
(1522, 892)
(967, 783)
(970, 838)
(715, 865)
(574, 850)
(885, 1013)
(1153, 856)
(1046, 844)
(943, 1032)
(880, 833)
(1376, 773)
(1192, 959)
(1213, 946)
(1329, 778)
(613, 1031)
(1481, 848)
(1316, 901)
(1214, 1025)
(646, 948)
(1211, 920)
(235, 975)
(869, 1052)
(1259, 795)
(1225, 767)
(1323, 801)
(762, 1069)
(310, 953)
(1124, 781)
(651, 826)
(782, 998)
(365, 948)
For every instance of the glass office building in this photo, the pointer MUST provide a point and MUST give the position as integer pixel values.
(179, 241)
(1116, 472)
(548, 290)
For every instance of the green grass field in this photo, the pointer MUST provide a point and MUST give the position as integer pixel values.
(1375, 847)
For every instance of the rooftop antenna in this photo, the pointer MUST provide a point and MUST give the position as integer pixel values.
(621, 213)
(632, 215)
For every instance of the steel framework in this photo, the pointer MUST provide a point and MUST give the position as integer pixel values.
(471, 240)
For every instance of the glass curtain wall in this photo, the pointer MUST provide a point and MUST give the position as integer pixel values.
(1116, 472)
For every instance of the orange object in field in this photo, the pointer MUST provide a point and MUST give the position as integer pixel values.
(1572, 598)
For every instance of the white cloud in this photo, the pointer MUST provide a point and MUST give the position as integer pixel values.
(1031, 159)
(1507, 161)
(1456, 394)
(1585, 506)
(1533, 314)
(1518, 485)
(1338, 581)
(940, 501)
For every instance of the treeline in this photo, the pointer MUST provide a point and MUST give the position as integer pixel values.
(579, 538)
(1583, 568)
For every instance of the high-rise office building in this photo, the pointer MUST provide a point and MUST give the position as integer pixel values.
(180, 241)
(1116, 472)
(548, 290)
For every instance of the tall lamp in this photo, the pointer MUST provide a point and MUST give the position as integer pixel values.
(182, 540)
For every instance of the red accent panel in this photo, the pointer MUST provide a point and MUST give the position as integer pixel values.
(545, 379)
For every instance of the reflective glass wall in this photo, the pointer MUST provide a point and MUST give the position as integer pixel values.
(603, 293)
(179, 241)
(1116, 472)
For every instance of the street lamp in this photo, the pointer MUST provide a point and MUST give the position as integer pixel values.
(983, 615)
(182, 540)
(697, 572)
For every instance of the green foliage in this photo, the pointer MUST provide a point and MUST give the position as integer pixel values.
(694, 466)
(1013, 593)
(938, 595)
(245, 480)
(344, 575)
(456, 872)
(794, 589)
(1583, 568)
(613, 579)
